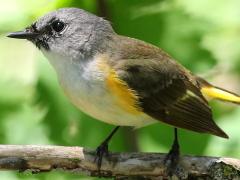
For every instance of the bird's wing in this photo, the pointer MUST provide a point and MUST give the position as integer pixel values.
(165, 90)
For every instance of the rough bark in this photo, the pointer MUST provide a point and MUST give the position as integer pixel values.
(118, 165)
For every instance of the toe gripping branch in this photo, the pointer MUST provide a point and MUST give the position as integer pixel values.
(102, 149)
(172, 158)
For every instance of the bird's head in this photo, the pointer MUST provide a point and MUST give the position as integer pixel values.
(67, 32)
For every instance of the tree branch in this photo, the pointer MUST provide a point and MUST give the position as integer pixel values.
(119, 165)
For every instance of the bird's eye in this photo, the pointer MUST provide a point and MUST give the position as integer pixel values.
(58, 26)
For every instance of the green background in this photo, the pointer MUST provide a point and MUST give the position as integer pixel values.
(203, 35)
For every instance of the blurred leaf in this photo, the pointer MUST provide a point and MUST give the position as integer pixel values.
(224, 147)
(24, 126)
(18, 71)
(221, 12)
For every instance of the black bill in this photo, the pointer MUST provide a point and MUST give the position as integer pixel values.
(23, 35)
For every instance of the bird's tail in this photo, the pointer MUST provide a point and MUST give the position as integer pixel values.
(212, 92)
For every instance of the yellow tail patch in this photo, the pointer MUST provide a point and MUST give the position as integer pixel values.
(126, 97)
(217, 93)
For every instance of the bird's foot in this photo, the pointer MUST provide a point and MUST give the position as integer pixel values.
(101, 151)
(172, 158)
(171, 161)
(174, 169)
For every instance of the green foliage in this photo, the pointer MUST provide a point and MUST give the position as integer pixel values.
(201, 35)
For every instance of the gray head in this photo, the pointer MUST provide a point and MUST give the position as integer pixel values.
(68, 32)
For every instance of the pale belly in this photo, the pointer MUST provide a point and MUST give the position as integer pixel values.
(96, 101)
(87, 90)
(85, 86)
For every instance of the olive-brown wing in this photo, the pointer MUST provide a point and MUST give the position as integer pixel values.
(166, 93)
(166, 90)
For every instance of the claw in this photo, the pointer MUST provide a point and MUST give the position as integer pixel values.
(101, 151)
(172, 159)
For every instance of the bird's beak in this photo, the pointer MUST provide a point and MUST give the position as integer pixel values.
(23, 35)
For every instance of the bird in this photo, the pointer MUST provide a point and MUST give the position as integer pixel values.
(121, 80)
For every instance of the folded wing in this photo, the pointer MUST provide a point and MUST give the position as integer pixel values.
(167, 92)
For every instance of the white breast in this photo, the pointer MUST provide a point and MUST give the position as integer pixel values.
(85, 86)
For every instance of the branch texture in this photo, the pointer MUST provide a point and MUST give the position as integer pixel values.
(118, 165)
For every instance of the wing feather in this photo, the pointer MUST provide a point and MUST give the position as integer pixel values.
(166, 90)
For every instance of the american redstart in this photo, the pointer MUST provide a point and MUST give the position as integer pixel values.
(121, 80)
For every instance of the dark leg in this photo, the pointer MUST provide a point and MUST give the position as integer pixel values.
(172, 157)
(103, 148)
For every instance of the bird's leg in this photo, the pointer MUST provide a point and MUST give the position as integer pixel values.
(172, 158)
(102, 149)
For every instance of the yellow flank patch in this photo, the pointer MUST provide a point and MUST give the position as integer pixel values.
(126, 97)
(213, 92)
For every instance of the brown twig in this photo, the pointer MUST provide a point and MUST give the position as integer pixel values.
(102, 9)
(119, 165)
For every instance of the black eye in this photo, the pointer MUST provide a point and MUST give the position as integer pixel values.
(58, 26)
